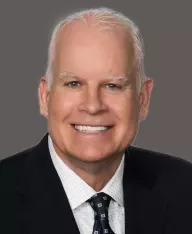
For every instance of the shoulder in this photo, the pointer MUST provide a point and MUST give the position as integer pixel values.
(161, 162)
(12, 168)
(15, 160)
(16, 169)
(15, 164)
(167, 179)
(173, 174)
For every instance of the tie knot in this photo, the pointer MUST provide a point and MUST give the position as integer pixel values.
(100, 204)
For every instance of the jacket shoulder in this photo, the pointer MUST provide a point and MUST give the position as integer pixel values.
(16, 159)
(12, 167)
(159, 161)
(171, 172)
(15, 163)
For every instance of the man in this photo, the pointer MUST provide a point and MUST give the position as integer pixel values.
(84, 176)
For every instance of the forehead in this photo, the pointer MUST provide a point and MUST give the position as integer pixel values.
(82, 42)
(92, 32)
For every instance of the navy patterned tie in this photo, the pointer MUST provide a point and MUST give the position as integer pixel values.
(100, 204)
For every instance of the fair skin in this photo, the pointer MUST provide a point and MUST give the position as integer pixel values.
(91, 87)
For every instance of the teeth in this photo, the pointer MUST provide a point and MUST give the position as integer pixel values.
(90, 128)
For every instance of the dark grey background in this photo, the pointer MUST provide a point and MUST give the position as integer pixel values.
(25, 29)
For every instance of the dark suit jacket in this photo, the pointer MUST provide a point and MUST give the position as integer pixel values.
(157, 194)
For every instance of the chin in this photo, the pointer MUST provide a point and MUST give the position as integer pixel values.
(90, 155)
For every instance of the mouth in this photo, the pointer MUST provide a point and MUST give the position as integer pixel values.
(91, 129)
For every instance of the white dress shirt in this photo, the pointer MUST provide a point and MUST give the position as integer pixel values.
(78, 192)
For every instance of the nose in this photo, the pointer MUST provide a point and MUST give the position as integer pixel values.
(92, 102)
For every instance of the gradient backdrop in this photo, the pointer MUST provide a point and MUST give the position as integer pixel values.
(25, 29)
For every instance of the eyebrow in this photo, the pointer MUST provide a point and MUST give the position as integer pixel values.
(71, 74)
(120, 78)
(67, 74)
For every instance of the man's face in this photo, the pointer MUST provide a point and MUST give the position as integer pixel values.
(93, 108)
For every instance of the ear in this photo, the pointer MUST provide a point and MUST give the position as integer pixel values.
(144, 97)
(43, 97)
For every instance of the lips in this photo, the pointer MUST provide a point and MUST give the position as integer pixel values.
(91, 128)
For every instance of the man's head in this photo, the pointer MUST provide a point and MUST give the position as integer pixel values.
(95, 91)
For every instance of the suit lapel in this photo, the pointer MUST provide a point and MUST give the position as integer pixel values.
(46, 204)
(145, 209)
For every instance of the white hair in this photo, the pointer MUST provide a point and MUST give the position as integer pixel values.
(110, 19)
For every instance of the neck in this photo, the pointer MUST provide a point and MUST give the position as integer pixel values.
(95, 174)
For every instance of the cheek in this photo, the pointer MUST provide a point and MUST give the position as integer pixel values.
(126, 109)
(60, 105)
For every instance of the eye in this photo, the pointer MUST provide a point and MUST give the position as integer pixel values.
(72, 84)
(113, 86)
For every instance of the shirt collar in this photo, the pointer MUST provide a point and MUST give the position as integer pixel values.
(114, 187)
(77, 190)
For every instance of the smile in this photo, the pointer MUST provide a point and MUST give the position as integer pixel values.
(91, 129)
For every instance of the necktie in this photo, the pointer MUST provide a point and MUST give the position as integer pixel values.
(100, 204)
